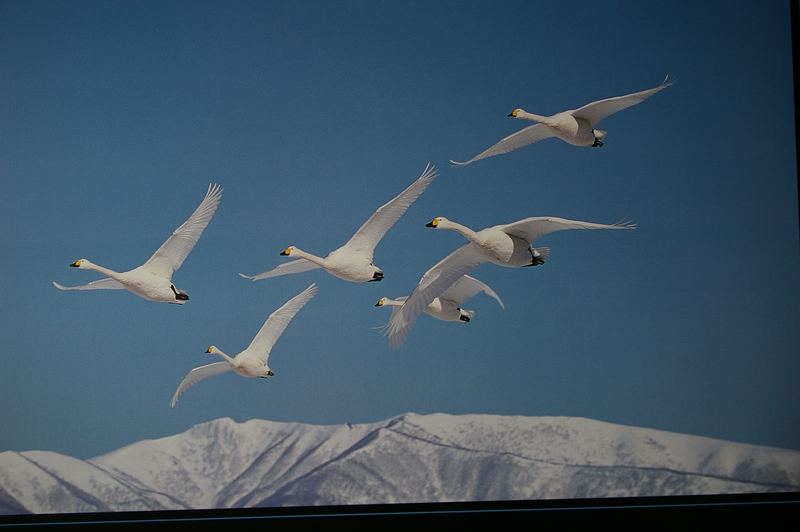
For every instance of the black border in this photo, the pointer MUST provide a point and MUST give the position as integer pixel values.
(729, 508)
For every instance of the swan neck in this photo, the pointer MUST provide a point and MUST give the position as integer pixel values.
(227, 358)
(105, 271)
(462, 230)
(299, 253)
(533, 117)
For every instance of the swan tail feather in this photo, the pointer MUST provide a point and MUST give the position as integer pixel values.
(544, 252)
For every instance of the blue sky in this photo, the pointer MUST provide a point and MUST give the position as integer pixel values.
(115, 117)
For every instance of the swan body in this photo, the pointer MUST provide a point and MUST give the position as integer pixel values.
(507, 245)
(575, 126)
(354, 260)
(447, 306)
(253, 360)
(153, 279)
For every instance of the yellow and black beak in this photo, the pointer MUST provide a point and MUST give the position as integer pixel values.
(208, 350)
(514, 113)
(286, 251)
(76, 264)
(379, 303)
(432, 223)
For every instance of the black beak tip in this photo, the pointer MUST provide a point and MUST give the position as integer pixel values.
(510, 114)
(429, 224)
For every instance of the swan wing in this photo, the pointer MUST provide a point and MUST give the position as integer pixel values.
(521, 138)
(101, 284)
(198, 374)
(435, 281)
(531, 229)
(276, 323)
(466, 287)
(368, 235)
(169, 257)
(294, 266)
(594, 112)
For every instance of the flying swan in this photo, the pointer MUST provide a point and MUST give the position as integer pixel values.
(575, 126)
(153, 279)
(252, 362)
(506, 245)
(447, 306)
(353, 261)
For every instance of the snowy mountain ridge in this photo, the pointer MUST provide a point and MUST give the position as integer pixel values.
(408, 458)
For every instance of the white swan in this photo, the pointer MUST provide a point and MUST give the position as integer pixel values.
(447, 306)
(506, 245)
(153, 279)
(252, 362)
(575, 126)
(353, 261)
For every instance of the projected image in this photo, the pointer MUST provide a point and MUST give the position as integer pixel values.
(293, 254)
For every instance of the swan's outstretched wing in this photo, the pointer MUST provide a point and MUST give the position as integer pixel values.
(295, 266)
(196, 375)
(169, 257)
(596, 111)
(368, 235)
(531, 229)
(521, 138)
(101, 284)
(435, 281)
(276, 323)
(466, 287)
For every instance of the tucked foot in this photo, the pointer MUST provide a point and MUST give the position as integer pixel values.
(180, 296)
(597, 143)
(536, 260)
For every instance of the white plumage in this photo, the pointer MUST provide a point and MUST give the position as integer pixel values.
(506, 245)
(447, 306)
(253, 360)
(153, 279)
(574, 126)
(353, 261)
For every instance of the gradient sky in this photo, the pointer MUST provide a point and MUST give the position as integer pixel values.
(116, 115)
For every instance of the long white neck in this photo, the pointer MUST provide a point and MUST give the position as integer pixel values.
(227, 358)
(533, 117)
(463, 230)
(392, 302)
(96, 267)
(299, 253)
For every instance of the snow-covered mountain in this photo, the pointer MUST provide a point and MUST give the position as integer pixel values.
(410, 458)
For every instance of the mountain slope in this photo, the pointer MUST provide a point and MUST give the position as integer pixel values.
(410, 458)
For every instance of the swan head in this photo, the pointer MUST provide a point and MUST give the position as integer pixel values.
(515, 113)
(80, 263)
(288, 251)
(437, 223)
(381, 302)
(213, 350)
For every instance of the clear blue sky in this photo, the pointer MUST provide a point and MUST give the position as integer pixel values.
(115, 116)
